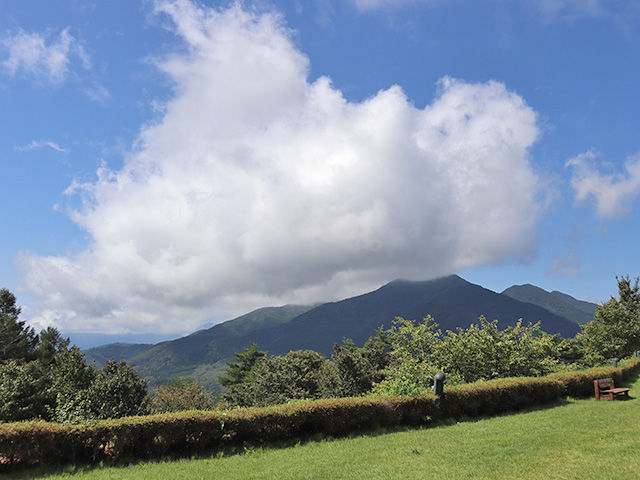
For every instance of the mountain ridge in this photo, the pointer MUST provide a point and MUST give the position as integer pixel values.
(577, 311)
(452, 301)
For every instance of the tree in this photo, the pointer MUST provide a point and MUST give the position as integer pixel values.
(615, 330)
(411, 367)
(17, 340)
(41, 377)
(279, 379)
(239, 372)
(239, 375)
(481, 352)
(50, 345)
(180, 395)
(84, 393)
(118, 391)
(276, 379)
(25, 392)
(352, 371)
(72, 379)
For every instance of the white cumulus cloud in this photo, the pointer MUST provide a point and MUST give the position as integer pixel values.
(613, 193)
(258, 186)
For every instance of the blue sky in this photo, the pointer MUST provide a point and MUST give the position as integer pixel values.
(172, 163)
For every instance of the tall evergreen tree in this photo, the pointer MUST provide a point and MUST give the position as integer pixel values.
(240, 371)
(50, 345)
(17, 340)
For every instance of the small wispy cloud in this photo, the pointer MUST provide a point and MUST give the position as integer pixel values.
(568, 266)
(547, 9)
(50, 59)
(42, 56)
(97, 93)
(612, 192)
(571, 8)
(386, 4)
(37, 145)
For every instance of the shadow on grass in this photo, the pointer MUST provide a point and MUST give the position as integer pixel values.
(633, 377)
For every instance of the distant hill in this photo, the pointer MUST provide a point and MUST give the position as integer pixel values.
(577, 311)
(451, 301)
(201, 355)
(115, 351)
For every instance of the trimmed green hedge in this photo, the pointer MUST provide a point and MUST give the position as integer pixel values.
(580, 383)
(28, 443)
(198, 431)
(500, 395)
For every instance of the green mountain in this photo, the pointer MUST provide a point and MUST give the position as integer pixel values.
(202, 355)
(115, 351)
(451, 301)
(561, 304)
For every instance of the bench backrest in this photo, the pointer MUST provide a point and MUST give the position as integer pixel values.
(605, 383)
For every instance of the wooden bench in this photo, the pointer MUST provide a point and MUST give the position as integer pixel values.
(604, 387)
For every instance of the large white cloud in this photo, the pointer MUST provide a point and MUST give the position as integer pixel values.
(259, 187)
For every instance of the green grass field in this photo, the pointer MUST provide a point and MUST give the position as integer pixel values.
(574, 439)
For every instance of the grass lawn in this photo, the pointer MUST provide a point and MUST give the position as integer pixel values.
(575, 439)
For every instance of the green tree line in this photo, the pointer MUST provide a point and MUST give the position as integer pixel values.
(404, 359)
(41, 376)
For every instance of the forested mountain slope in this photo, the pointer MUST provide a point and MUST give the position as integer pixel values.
(556, 302)
(451, 301)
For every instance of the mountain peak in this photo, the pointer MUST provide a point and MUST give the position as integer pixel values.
(452, 301)
(561, 304)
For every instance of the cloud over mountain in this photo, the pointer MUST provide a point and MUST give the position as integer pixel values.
(261, 186)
